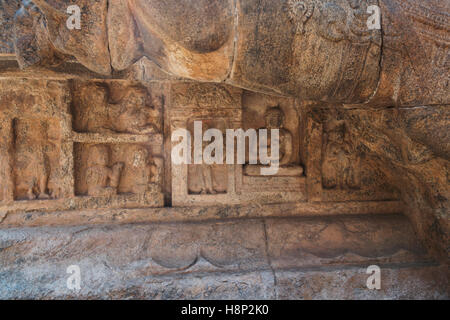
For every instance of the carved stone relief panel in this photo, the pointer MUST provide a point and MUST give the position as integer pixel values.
(35, 145)
(315, 49)
(80, 145)
(213, 107)
(338, 167)
(222, 107)
(341, 162)
(208, 178)
(116, 108)
(118, 143)
(416, 36)
(288, 183)
(127, 174)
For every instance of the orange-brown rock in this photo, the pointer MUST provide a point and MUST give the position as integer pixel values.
(87, 178)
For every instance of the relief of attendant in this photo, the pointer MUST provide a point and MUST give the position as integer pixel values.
(32, 165)
(142, 172)
(102, 180)
(340, 167)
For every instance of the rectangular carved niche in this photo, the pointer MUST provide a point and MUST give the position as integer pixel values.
(105, 107)
(118, 151)
(207, 179)
(216, 107)
(37, 154)
(289, 183)
(125, 174)
(35, 150)
(222, 107)
(57, 139)
(338, 168)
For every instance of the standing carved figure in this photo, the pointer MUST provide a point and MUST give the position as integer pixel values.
(32, 164)
(204, 178)
(206, 172)
(340, 167)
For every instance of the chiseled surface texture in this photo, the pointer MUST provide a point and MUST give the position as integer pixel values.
(324, 52)
(412, 145)
(235, 259)
(7, 11)
(86, 118)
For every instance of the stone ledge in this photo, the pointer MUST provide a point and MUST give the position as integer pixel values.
(11, 219)
(235, 245)
(33, 261)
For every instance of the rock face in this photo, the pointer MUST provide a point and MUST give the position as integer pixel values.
(233, 259)
(88, 176)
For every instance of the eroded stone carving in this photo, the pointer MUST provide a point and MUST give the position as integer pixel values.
(129, 116)
(103, 109)
(34, 152)
(63, 163)
(300, 11)
(208, 178)
(288, 183)
(123, 121)
(347, 19)
(32, 163)
(216, 107)
(132, 172)
(143, 171)
(275, 120)
(353, 133)
(339, 20)
(268, 57)
(340, 167)
(340, 162)
(102, 179)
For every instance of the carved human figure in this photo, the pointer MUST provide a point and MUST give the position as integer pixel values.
(143, 170)
(275, 119)
(136, 112)
(340, 166)
(101, 179)
(92, 109)
(53, 149)
(32, 167)
(156, 177)
(208, 178)
(206, 172)
(133, 113)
